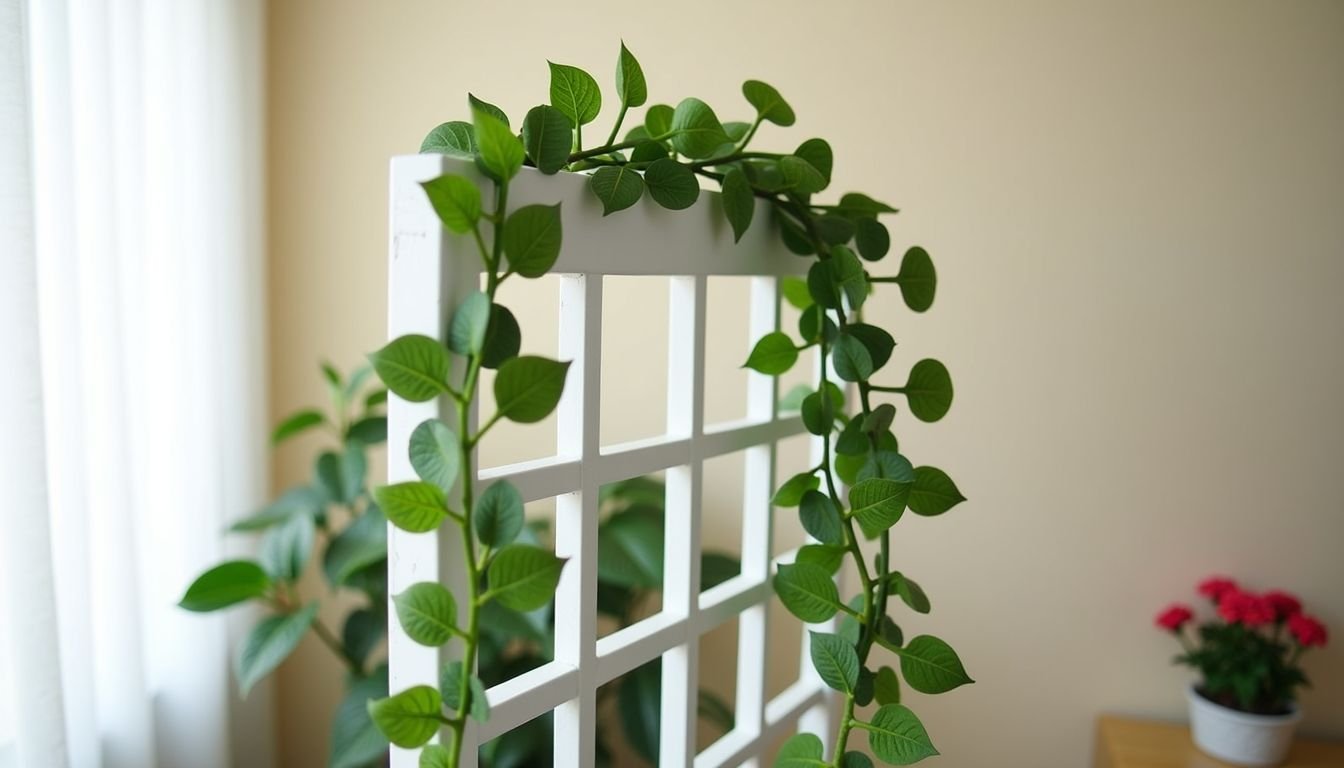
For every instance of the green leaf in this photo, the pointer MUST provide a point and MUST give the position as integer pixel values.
(490, 109)
(889, 465)
(930, 665)
(818, 154)
(413, 367)
(851, 359)
(897, 736)
(371, 430)
(528, 388)
(828, 558)
(856, 760)
(821, 519)
(934, 492)
(770, 106)
(795, 292)
(714, 710)
(456, 200)
(696, 130)
(739, 202)
(575, 93)
(814, 325)
(800, 176)
(848, 275)
(466, 330)
(671, 184)
(716, 568)
(498, 516)
(224, 585)
(911, 593)
(929, 390)
(887, 687)
(297, 423)
(361, 544)
(410, 718)
(375, 398)
(773, 354)
(889, 635)
(858, 205)
(630, 549)
(639, 700)
(355, 740)
(631, 88)
(658, 120)
(414, 507)
(270, 642)
(877, 503)
(434, 453)
(834, 229)
(807, 591)
(450, 689)
(503, 337)
(835, 660)
(532, 237)
(435, 756)
(548, 135)
(285, 549)
(818, 414)
(454, 138)
(879, 421)
(821, 285)
(802, 750)
(303, 500)
(649, 151)
(792, 234)
(617, 187)
(876, 340)
(362, 632)
(499, 153)
(790, 494)
(872, 239)
(428, 613)
(524, 578)
(917, 279)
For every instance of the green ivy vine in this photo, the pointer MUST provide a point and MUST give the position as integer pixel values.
(665, 157)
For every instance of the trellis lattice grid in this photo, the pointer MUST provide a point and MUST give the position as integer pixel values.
(430, 271)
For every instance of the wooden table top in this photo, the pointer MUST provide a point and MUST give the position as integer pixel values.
(1131, 743)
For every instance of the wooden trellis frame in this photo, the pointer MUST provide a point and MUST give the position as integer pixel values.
(430, 271)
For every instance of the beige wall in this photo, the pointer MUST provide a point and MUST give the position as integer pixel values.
(1135, 212)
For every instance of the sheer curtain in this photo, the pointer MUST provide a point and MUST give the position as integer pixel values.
(132, 296)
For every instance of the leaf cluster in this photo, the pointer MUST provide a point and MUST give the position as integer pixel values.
(334, 521)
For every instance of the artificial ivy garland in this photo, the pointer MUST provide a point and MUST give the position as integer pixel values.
(662, 157)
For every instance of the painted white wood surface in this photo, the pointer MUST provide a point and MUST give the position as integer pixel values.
(430, 270)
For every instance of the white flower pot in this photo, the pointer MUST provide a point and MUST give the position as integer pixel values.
(1240, 738)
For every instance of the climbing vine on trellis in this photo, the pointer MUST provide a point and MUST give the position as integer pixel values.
(664, 157)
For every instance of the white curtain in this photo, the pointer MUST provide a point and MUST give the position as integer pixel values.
(131, 293)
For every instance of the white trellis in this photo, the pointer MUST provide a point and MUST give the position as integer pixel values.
(430, 270)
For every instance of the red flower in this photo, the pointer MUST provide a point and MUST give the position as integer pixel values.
(1215, 587)
(1237, 607)
(1307, 629)
(1285, 605)
(1174, 617)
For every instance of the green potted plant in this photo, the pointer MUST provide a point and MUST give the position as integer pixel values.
(1243, 709)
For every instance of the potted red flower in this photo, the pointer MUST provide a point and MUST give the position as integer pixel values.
(1243, 710)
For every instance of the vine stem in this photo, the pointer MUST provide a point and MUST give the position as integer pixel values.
(466, 445)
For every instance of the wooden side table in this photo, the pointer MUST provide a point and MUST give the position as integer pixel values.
(1129, 743)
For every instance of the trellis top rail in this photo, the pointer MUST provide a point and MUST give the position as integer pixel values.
(643, 240)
